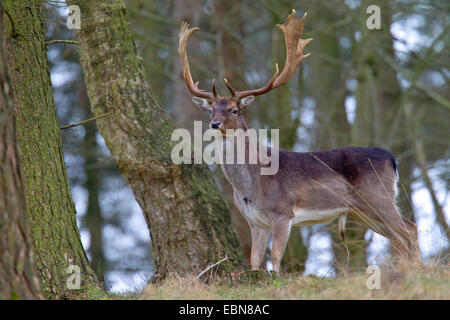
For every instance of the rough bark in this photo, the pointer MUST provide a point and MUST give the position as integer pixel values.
(187, 217)
(18, 279)
(55, 236)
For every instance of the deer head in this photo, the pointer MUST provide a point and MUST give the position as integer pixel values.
(226, 112)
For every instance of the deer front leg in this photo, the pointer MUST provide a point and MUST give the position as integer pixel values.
(260, 237)
(281, 228)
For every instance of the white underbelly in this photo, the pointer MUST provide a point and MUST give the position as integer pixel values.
(305, 217)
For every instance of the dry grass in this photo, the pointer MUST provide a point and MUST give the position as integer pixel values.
(404, 282)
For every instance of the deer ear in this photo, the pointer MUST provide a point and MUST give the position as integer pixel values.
(246, 102)
(202, 103)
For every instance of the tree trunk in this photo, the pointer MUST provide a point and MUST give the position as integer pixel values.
(18, 279)
(56, 240)
(276, 110)
(327, 83)
(187, 216)
(421, 158)
(378, 94)
(378, 91)
(94, 221)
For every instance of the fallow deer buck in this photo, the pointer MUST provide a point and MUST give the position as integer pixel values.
(309, 188)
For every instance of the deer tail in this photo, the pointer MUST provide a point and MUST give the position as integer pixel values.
(342, 220)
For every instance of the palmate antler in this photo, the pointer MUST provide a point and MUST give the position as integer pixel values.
(292, 30)
(184, 35)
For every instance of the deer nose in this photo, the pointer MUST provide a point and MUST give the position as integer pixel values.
(215, 124)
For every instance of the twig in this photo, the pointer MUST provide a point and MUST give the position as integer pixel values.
(211, 266)
(57, 4)
(86, 121)
(419, 85)
(14, 34)
(62, 41)
(407, 197)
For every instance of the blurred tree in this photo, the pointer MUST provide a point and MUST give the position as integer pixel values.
(154, 28)
(183, 113)
(424, 107)
(94, 221)
(280, 111)
(329, 64)
(331, 128)
(56, 240)
(18, 279)
(228, 25)
(378, 91)
(187, 216)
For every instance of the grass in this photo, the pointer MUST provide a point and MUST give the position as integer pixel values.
(404, 282)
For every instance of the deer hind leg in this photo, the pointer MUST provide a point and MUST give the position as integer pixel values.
(381, 215)
(401, 233)
(260, 237)
(375, 206)
(411, 237)
(281, 229)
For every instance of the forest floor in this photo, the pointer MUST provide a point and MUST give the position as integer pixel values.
(424, 282)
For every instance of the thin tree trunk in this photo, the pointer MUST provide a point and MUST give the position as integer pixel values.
(56, 239)
(419, 153)
(277, 110)
(18, 279)
(187, 216)
(327, 83)
(378, 93)
(93, 219)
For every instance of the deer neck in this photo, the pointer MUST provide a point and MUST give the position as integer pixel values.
(242, 124)
(243, 177)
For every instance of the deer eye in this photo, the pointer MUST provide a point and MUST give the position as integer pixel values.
(235, 111)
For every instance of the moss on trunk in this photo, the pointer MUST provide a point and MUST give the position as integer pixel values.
(55, 236)
(18, 279)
